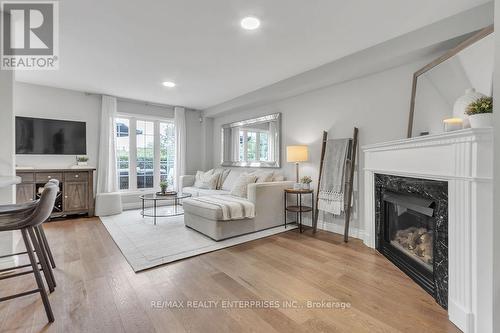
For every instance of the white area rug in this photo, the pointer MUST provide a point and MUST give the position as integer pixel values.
(145, 245)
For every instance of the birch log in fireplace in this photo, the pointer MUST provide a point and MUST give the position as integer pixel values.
(461, 162)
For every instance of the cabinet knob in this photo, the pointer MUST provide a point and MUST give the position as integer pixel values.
(65, 197)
(49, 177)
(76, 176)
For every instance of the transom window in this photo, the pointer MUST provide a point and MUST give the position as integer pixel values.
(145, 150)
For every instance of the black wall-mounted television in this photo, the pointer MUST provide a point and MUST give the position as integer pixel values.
(50, 136)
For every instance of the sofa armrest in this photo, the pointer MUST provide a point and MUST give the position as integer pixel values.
(186, 181)
(268, 197)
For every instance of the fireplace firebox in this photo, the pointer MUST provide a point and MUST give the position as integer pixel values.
(412, 229)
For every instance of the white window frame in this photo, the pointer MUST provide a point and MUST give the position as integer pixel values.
(257, 143)
(132, 173)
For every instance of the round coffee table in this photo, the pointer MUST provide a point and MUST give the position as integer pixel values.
(176, 200)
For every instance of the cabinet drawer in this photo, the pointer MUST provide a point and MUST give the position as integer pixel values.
(76, 176)
(46, 176)
(25, 193)
(28, 177)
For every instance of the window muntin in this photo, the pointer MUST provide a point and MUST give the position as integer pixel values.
(145, 150)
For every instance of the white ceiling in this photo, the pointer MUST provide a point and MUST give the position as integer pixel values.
(127, 48)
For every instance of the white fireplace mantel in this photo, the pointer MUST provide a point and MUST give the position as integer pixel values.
(465, 160)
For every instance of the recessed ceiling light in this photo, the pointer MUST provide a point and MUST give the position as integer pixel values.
(169, 84)
(250, 23)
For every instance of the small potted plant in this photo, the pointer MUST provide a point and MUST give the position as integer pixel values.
(480, 112)
(163, 187)
(306, 182)
(82, 160)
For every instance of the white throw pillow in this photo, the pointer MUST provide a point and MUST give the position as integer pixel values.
(263, 176)
(206, 180)
(231, 178)
(241, 186)
(278, 177)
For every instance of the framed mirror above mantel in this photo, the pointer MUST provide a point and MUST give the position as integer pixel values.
(443, 88)
(252, 142)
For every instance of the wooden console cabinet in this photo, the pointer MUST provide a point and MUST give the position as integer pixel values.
(76, 189)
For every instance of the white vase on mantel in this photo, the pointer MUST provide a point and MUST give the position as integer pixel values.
(463, 102)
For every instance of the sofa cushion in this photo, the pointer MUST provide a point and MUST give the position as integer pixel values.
(278, 176)
(204, 210)
(199, 192)
(223, 175)
(263, 176)
(231, 179)
(241, 187)
(206, 180)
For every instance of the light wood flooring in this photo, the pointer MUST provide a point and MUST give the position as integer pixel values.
(97, 290)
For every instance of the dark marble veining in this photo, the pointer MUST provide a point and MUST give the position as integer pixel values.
(429, 189)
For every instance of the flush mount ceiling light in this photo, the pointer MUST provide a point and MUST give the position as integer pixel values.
(169, 84)
(250, 23)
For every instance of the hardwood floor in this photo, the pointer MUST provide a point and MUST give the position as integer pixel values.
(97, 290)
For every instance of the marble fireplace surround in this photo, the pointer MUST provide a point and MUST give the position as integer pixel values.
(464, 159)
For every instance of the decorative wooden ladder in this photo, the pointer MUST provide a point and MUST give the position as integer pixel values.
(348, 183)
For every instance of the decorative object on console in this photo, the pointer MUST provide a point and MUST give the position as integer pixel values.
(461, 104)
(337, 166)
(296, 154)
(82, 160)
(480, 112)
(453, 124)
(306, 182)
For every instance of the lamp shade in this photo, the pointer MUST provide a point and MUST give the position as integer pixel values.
(297, 154)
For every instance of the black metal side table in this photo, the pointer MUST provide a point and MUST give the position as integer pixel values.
(299, 208)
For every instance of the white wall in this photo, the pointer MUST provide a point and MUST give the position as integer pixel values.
(377, 104)
(496, 179)
(54, 103)
(6, 156)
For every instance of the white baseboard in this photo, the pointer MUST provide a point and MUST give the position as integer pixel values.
(337, 228)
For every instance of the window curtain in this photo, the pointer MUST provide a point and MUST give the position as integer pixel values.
(180, 145)
(107, 177)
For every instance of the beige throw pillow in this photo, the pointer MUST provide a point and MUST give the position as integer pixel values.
(223, 175)
(206, 180)
(241, 186)
(263, 176)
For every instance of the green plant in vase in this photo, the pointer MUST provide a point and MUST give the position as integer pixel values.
(163, 187)
(480, 112)
(306, 182)
(82, 160)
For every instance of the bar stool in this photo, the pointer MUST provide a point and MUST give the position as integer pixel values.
(27, 221)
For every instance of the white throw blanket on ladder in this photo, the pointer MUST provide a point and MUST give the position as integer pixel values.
(331, 191)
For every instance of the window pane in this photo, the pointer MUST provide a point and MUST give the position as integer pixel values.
(167, 152)
(264, 146)
(241, 152)
(145, 154)
(123, 152)
(251, 146)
